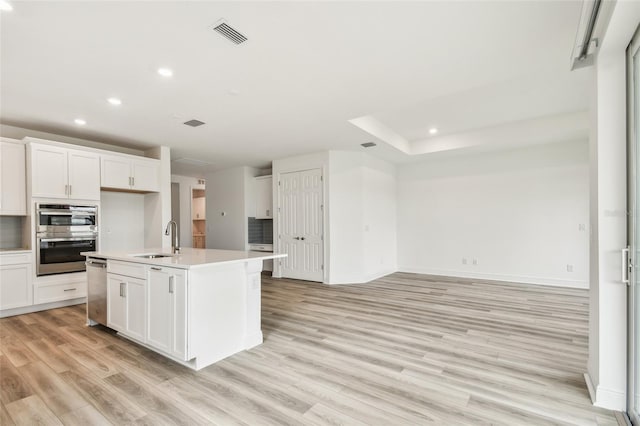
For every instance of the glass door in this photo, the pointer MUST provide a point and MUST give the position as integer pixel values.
(633, 81)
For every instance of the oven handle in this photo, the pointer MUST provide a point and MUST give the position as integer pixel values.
(65, 213)
(92, 238)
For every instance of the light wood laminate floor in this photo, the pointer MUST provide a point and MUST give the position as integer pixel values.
(404, 349)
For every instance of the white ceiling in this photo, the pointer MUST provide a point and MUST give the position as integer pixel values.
(306, 70)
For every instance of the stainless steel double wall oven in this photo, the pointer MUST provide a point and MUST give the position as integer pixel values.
(63, 231)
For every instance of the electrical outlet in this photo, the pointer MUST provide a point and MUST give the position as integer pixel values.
(475, 262)
(464, 260)
(569, 268)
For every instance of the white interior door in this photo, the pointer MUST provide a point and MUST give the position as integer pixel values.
(633, 63)
(300, 226)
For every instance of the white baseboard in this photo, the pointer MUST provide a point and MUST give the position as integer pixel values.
(602, 397)
(41, 307)
(556, 282)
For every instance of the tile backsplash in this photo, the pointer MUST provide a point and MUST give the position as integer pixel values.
(260, 231)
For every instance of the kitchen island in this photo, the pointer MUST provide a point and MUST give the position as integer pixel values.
(195, 307)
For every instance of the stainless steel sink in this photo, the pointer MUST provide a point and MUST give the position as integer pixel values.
(153, 255)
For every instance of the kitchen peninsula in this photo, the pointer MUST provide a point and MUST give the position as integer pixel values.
(195, 307)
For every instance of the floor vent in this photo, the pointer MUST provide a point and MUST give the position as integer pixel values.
(368, 144)
(229, 32)
(194, 123)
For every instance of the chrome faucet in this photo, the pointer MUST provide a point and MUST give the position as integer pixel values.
(175, 245)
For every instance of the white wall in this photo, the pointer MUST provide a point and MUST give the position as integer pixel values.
(380, 225)
(362, 217)
(607, 373)
(122, 221)
(226, 192)
(518, 213)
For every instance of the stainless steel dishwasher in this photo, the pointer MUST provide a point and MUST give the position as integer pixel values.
(96, 291)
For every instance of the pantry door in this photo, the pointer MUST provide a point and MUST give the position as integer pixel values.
(300, 224)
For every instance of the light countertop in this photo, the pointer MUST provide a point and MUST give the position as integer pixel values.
(188, 258)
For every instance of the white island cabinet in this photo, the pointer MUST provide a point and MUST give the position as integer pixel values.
(196, 307)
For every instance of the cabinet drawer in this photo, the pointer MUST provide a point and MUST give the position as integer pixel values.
(15, 259)
(54, 293)
(261, 247)
(128, 269)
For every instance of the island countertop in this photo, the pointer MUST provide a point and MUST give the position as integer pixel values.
(187, 258)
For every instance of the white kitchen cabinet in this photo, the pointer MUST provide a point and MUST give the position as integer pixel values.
(167, 311)
(126, 301)
(13, 185)
(127, 173)
(264, 197)
(198, 211)
(58, 172)
(16, 289)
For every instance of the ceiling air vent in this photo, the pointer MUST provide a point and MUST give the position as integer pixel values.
(368, 144)
(229, 32)
(194, 123)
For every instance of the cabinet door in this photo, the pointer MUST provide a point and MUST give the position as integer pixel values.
(115, 172)
(179, 316)
(159, 313)
(16, 290)
(136, 308)
(13, 187)
(264, 198)
(146, 175)
(49, 171)
(116, 302)
(84, 175)
(198, 208)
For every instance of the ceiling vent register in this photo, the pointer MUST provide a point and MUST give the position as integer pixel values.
(194, 123)
(229, 32)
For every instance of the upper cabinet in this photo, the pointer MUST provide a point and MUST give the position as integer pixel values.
(124, 172)
(198, 211)
(13, 185)
(264, 197)
(58, 172)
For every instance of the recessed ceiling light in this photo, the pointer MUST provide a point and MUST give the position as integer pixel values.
(6, 6)
(165, 72)
(79, 121)
(433, 130)
(114, 101)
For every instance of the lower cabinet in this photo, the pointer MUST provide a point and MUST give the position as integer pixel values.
(16, 289)
(126, 305)
(167, 311)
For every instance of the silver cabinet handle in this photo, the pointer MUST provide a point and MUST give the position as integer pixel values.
(302, 238)
(268, 211)
(296, 238)
(171, 278)
(70, 289)
(625, 265)
(133, 181)
(70, 189)
(66, 190)
(123, 290)
(155, 268)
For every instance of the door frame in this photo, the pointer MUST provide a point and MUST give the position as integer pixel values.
(277, 269)
(633, 126)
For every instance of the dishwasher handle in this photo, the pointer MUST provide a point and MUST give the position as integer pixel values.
(98, 263)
